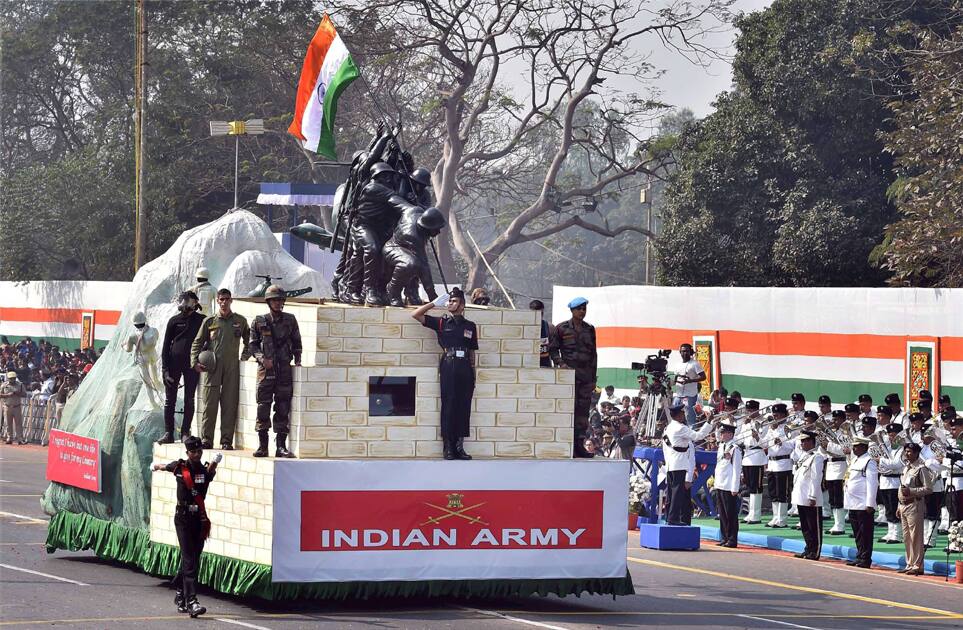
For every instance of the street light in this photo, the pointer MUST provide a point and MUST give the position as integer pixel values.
(237, 128)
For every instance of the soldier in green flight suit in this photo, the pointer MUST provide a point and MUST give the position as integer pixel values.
(223, 334)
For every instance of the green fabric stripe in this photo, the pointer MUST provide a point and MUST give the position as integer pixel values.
(77, 532)
(346, 73)
(955, 394)
(772, 388)
(65, 343)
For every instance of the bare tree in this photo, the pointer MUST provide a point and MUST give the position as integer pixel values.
(536, 102)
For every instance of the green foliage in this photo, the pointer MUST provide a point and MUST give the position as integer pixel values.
(785, 183)
(923, 247)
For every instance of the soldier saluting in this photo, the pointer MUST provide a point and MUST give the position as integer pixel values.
(275, 340)
(190, 520)
(458, 338)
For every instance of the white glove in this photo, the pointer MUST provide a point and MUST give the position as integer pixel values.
(442, 300)
(218, 458)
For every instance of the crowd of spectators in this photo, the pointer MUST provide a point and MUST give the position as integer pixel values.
(45, 370)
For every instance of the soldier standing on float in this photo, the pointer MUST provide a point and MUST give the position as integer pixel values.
(223, 333)
(458, 338)
(574, 347)
(190, 521)
(176, 363)
(275, 340)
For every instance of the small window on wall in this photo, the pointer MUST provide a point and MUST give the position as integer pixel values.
(391, 395)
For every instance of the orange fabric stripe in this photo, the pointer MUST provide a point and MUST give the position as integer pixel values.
(313, 59)
(778, 343)
(63, 315)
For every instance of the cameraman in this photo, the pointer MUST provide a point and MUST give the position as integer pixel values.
(688, 375)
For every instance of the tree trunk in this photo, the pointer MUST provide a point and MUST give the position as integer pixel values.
(477, 274)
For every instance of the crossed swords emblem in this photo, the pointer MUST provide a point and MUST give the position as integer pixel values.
(454, 508)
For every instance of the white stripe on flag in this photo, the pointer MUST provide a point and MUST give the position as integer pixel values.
(818, 368)
(313, 115)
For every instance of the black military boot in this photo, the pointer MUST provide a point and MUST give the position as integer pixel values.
(167, 438)
(373, 297)
(262, 441)
(460, 449)
(394, 294)
(195, 609)
(448, 448)
(282, 450)
(179, 601)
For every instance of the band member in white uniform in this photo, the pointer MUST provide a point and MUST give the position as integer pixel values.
(890, 467)
(807, 494)
(779, 467)
(679, 450)
(861, 485)
(753, 462)
(896, 407)
(835, 475)
(727, 484)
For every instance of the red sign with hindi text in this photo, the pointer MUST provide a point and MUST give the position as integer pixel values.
(74, 460)
(405, 520)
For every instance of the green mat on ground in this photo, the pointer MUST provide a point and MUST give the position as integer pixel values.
(936, 553)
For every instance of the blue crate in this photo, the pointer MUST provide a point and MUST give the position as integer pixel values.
(665, 537)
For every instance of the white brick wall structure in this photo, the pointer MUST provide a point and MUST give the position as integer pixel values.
(519, 409)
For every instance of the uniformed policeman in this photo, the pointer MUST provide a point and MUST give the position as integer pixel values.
(678, 448)
(727, 483)
(458, 338)
(860, 499)
(915, 484)
(275, 341)
(10, 394)
(224, 333)
(190, 520)
(176, 363)
(573, 346)
(807, 494)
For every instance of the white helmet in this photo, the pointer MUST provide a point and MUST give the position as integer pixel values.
(202, 273)
(138, 318)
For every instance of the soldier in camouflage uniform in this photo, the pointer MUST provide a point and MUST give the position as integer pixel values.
(275, 340)
(573, 346)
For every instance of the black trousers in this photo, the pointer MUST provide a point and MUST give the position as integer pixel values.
(863, 522)
(170, 398)
(278, 389)
(680, 502)
(934, 506)
(835, 489)
(754, 476)
(890, 501)
(809, 520)
(779, 485)
(728, 504)
(190, 537)
(457, 388)
(954, 505)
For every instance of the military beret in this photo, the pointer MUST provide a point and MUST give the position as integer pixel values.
(894, 427)
(752, 405)
(852, 408)
(892, 399)
(577, 302)
(916, 417)
(870, 420)
(810, 415)
(925, 394)
(797, 397)
(839, 413)
(948, 414)
(780, 408)
(192, 443)
(825, 400)
(865, 398)
(945, 399)
(884, 410)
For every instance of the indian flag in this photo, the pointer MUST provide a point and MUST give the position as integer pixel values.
(328, 69)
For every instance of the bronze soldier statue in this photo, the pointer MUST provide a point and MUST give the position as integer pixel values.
(405, 257)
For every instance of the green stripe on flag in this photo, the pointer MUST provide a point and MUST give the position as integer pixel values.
(955, 394)
(772, 388)
(346, 73)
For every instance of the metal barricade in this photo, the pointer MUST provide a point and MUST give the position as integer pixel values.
(38, 416)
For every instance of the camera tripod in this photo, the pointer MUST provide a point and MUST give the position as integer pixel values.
(651, 414)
